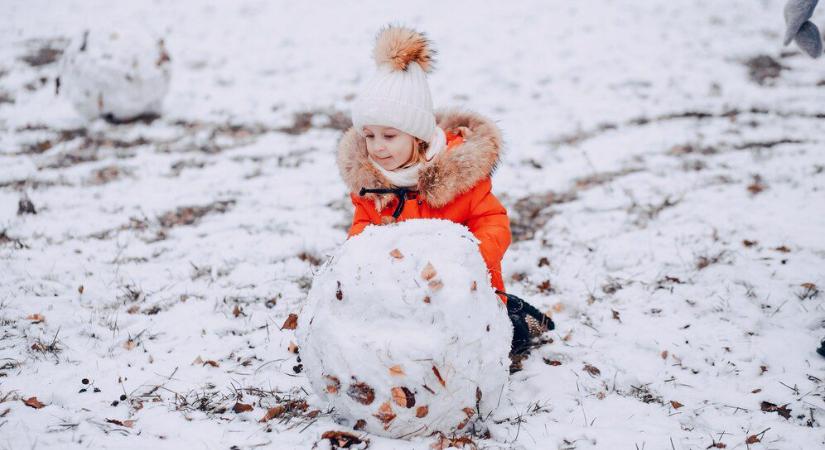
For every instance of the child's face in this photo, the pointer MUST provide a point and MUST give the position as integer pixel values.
(387, 146)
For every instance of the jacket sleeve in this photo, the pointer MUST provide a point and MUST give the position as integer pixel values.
(489, 223)
(360, 218)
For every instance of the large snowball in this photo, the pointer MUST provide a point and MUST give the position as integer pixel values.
(402, 332)
(117, 74)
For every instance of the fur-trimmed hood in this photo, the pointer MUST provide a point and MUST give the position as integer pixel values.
(450, 174)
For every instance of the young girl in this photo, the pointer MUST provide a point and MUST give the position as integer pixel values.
(403, 161)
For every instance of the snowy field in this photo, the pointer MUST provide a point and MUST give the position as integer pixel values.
(664, 171)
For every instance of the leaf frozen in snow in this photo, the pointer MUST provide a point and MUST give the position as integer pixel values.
(333, 384)
(122, 423)
(752, 439)
(272, 413)
(291, 322)
(33, 402)
(338, 293)
(241, 407)
(675, 404)
(781, 410)
(397, 254)
(36, 318)
(403, 397)
(422, 411)
(396, 371)
(361, 393)
(342, 439)
(429, 272)
(592, 370)
(385, 414)
(435, 285)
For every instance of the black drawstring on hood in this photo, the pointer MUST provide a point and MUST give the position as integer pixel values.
(400, 192)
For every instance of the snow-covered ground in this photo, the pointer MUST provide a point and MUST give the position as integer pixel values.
(664, 171)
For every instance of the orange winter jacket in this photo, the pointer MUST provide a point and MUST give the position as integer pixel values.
(455, 186)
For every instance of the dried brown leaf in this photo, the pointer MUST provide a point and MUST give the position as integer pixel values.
(333, 384)
(241, 407)
(592, 370)
(422, 411)
(429, 272)
(385, 414)
(396, 371)
(291, 322)
(33, 402)
(36, 318)
(272, 413)
(361, 393)
(123, 423)
(342, 439)
(781, 410)
(403, 397)
(395, 253)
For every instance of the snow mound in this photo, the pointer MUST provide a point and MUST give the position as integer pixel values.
(118, 74)
(402, 332)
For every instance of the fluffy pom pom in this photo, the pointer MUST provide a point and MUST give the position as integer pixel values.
(400, 46)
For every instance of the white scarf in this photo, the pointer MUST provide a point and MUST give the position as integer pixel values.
(408, 176)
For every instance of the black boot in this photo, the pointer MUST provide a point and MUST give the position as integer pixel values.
(521, 334)
(519, 310)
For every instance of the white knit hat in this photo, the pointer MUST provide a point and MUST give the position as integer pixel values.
(398, 95)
